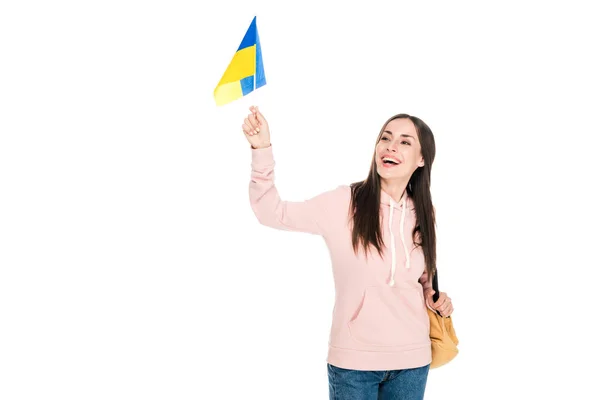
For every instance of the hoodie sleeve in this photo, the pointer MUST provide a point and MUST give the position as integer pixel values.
(301, 216)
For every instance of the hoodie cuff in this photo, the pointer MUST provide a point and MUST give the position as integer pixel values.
(262, 156)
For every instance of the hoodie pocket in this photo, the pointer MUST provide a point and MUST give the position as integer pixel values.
(390, 317)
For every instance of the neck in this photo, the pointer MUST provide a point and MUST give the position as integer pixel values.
(394, 188)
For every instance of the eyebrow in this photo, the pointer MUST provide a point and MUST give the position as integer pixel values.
(403, 134)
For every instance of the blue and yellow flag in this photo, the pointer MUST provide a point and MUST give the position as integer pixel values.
(245, 72)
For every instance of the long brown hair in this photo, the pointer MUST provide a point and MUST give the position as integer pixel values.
(366, 197)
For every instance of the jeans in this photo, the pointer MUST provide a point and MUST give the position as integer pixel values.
(406, 384)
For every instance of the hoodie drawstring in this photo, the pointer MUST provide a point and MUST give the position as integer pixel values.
(392, 237)
(407, 264)
(393, 244)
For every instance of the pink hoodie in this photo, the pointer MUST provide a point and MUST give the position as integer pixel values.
(380, 319)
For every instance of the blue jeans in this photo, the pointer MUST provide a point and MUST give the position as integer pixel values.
(348, 384)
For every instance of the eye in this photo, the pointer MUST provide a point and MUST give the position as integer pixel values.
(384, 138)
(405, 142)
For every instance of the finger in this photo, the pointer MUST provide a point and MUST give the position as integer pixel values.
(445, 302)
(251, 121)
(448, 312)
(440, 301)
(446, 307)
(254, 117)
(251, 128)
(248, 130)
(428, 302)
(260, 118)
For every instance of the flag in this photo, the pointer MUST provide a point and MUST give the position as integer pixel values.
(245, 72)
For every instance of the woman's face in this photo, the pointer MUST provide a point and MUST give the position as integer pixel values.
(398, 152)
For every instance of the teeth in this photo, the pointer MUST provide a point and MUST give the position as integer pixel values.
(390, 160)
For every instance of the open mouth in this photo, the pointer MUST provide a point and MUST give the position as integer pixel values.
(390, 161)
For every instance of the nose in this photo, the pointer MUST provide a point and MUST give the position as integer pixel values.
(392, 147)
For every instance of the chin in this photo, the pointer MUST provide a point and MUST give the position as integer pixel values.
(390, 175)
(387, 177)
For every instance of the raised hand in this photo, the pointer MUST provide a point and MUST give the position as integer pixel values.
(256, 129)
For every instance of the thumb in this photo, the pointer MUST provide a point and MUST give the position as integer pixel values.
(259, 116)
(430, 292)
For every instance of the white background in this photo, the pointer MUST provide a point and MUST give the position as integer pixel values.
(132, 267)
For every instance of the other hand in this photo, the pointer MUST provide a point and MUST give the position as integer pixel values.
(443, 305)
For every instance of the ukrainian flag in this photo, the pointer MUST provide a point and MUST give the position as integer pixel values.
(245, 72)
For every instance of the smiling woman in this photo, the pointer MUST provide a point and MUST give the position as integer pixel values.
(379, 346)
(401, 167)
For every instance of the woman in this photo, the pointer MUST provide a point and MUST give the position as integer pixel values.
(381, 236)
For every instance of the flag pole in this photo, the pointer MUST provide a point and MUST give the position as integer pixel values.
(256, 95)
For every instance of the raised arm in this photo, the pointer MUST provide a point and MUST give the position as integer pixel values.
(308, 216)
(302, 216)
